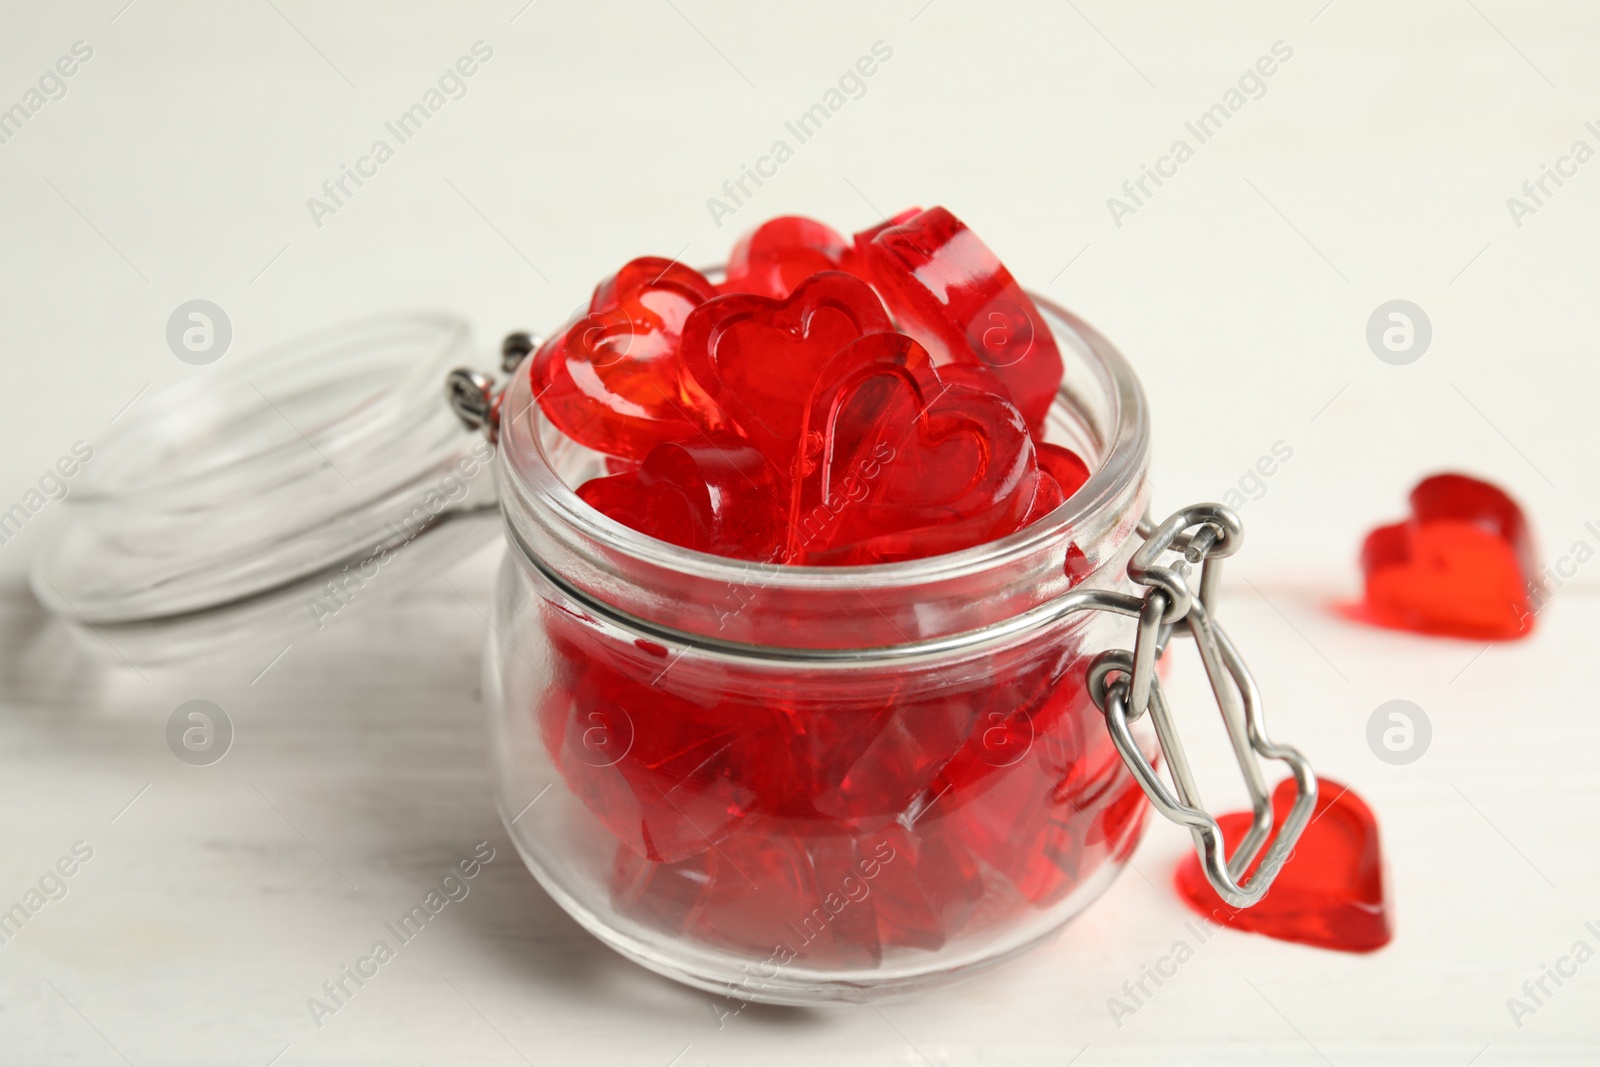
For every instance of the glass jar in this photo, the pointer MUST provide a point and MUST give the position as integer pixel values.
(783, 784)
(787, 783)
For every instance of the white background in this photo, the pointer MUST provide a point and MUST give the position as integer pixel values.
(1377, 166)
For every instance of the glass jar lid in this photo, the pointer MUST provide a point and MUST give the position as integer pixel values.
(260, 499)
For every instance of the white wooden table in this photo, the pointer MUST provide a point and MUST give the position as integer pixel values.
(1376, 165)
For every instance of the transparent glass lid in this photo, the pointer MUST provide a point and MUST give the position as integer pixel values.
(266, 496)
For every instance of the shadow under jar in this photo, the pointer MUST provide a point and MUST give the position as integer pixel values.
(785, 784)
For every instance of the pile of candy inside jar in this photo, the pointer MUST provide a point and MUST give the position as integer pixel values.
(830, 403)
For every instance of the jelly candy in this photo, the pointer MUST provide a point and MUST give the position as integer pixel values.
(854, 258)
(930, 893)
(1028, 790)
(774, 258)
(1330, 894)
(840, 863)
(878, 780)
(621, 465)
(757, 885)
(961, 473)
(1061, 473)
(1462, 564)
(836, 830)
(663, 895)
(715, 494)
(1047, 496)
(824, 732)
(975, 376)
(1007, 827)
(845, 440)
(766, 892)
(760, 358)
(782, 418)
(800, 362)
(1068, 469)
(953, 295)
(612, 380)
(665, 776)
(936, 468)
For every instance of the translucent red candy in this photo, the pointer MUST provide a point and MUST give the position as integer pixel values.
(954, 468)
(774, 258)
(932, 885)
(1061, 473)
(1047, 496)
(872, 449)
(900, 463)
(1462, 565)
(834, 826)
(955, 296)
(663, 784)
(790, 419)
(760, 358)
(612, 380)
(1065, 466)
(715, 494)
(854, 259)
(1332, 892)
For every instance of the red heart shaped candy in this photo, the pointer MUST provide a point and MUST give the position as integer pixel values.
(854, 391)
(1065, 465)
(1047, 496)
(1061, 473)
(912, 466)
(667, 777)
(775, 257)
(1331, 893)
(760, 358)
(854, 259)
(715, 494)
(929, 892)
(612, 379)
(1461, 566)
(764, 885)
(950, 292)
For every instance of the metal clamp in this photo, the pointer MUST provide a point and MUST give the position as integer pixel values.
(473, 396)
(1124, 685)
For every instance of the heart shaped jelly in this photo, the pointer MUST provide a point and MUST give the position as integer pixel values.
(766, 890)
(950, 292)
(612, 379)
(760, 358)
(1042, 847)
(854, 259)
(930, 894)
(854, 391)
(875, 779)
(1061, 473)
(1047, 496)
(668, 783)
(912, 466)
(775, 257)
(1065, 465)
(1331, 893)
(1461, 566)
(715, 494)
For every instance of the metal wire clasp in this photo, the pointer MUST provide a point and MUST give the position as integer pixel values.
(473, 395)
(1124, 685)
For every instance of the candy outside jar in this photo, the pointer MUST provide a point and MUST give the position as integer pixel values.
(789, 784)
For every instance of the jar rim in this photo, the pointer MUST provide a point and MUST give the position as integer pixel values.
(529, 474)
